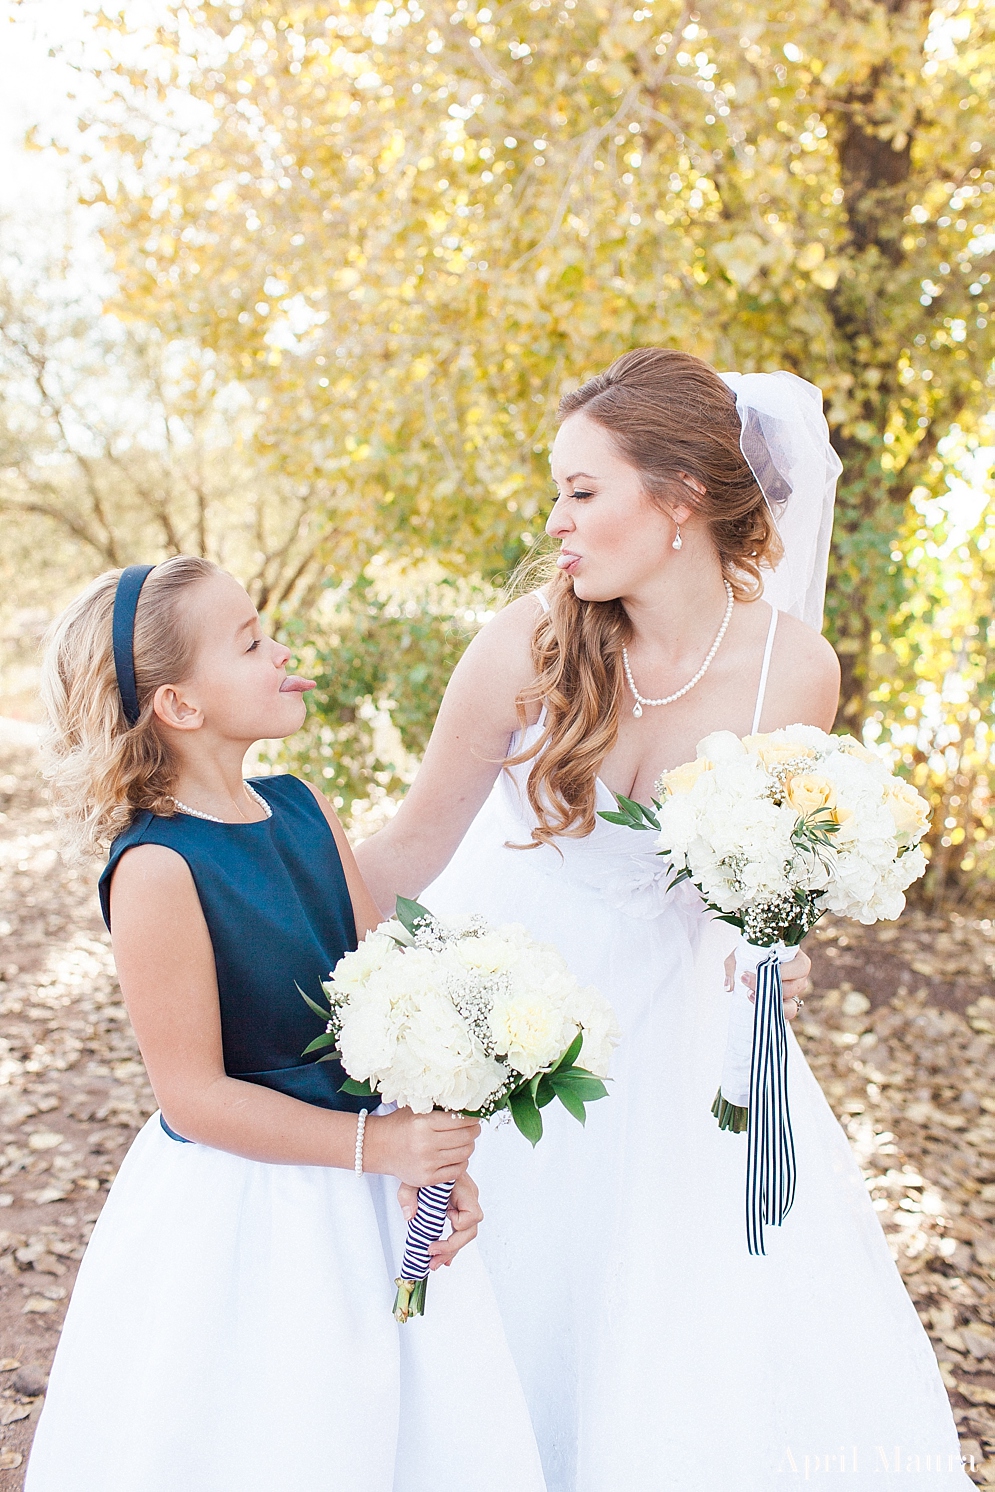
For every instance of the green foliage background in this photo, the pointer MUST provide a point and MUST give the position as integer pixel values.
(402, 231)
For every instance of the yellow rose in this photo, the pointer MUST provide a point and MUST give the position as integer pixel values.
(773, 753)
(908, 809)
(807, 792)
(854, 748)
(682, 779)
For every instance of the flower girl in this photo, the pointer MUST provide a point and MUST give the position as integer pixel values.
(231, 1327)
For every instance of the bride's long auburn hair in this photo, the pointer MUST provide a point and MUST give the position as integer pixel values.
(667, 413)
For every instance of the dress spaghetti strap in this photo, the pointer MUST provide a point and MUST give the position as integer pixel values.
(764, 671)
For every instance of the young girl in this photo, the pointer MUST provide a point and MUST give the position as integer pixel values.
(231, 1327)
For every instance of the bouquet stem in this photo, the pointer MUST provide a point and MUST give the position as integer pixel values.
(732, 1116)
(410, 1299)
(424, 1228)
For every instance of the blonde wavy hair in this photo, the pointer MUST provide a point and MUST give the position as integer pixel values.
(667, 413)
(103, 772)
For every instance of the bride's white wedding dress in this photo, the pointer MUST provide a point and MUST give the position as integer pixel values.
(655, 1353)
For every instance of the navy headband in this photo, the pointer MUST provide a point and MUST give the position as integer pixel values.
(129, 588)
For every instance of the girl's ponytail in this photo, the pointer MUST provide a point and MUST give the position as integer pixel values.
(103, 771)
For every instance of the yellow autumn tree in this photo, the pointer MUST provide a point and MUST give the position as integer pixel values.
(404, 229)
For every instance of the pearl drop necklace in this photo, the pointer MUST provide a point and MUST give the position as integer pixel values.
(195, 813)
(641, 700)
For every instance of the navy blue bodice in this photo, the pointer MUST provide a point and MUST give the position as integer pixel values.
(278, 910)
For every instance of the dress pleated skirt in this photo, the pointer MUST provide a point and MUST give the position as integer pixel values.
(231, 1331)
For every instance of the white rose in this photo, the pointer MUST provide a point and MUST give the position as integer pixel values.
(807, 735)
(720, 746)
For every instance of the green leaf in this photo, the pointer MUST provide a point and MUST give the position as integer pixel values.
(648, 814)
(632, 815)
(526, 1115)
(546, 1092)
(411, 914)
(584, 1084)
(572, 1102)
(351, 1086)
(308, 1001)
(571, 1054)
(325, 1039)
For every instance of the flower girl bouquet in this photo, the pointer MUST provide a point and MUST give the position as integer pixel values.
(466, 1017)
(774, 831)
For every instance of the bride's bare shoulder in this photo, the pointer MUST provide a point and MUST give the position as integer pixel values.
(508, 634)
(499, 659)
(804, 681)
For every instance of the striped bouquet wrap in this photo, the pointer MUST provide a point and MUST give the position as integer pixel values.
(774, 831)
(462, 1016)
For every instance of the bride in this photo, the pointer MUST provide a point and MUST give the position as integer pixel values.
(693, 514)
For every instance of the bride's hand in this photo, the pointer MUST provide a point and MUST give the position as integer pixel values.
(795, 981)
(465, 1217)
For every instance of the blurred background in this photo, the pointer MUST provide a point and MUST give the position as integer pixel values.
(298, 286)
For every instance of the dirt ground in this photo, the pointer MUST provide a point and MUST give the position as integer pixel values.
(900, 1032)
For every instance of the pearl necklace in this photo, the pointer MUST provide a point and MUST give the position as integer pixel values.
(640, 700)
(195, 813)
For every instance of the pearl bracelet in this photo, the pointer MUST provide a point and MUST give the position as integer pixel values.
(360, 1134)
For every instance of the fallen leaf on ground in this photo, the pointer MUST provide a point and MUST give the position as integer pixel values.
(37, 1304)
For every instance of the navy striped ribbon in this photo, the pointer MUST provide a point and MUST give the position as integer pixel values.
(770, 1159)
(424, 1228)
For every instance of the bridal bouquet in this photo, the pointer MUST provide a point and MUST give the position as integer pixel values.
(466, 1017)
(774, 831)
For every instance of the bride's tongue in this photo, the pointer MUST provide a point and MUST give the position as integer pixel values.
(294, 685)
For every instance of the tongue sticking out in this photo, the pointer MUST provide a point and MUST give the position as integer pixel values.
(293, 685)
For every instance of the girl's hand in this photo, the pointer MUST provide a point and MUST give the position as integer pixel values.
(419, 1149)
(794, 981)
(465, 1218)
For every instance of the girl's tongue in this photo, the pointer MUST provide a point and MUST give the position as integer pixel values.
(293, 685)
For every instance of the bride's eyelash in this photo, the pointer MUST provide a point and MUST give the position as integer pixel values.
(253, 645)
(580, 492)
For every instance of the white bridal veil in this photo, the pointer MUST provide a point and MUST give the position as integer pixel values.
(785, 439)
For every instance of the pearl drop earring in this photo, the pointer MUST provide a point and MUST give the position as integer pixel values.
(678, 541)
